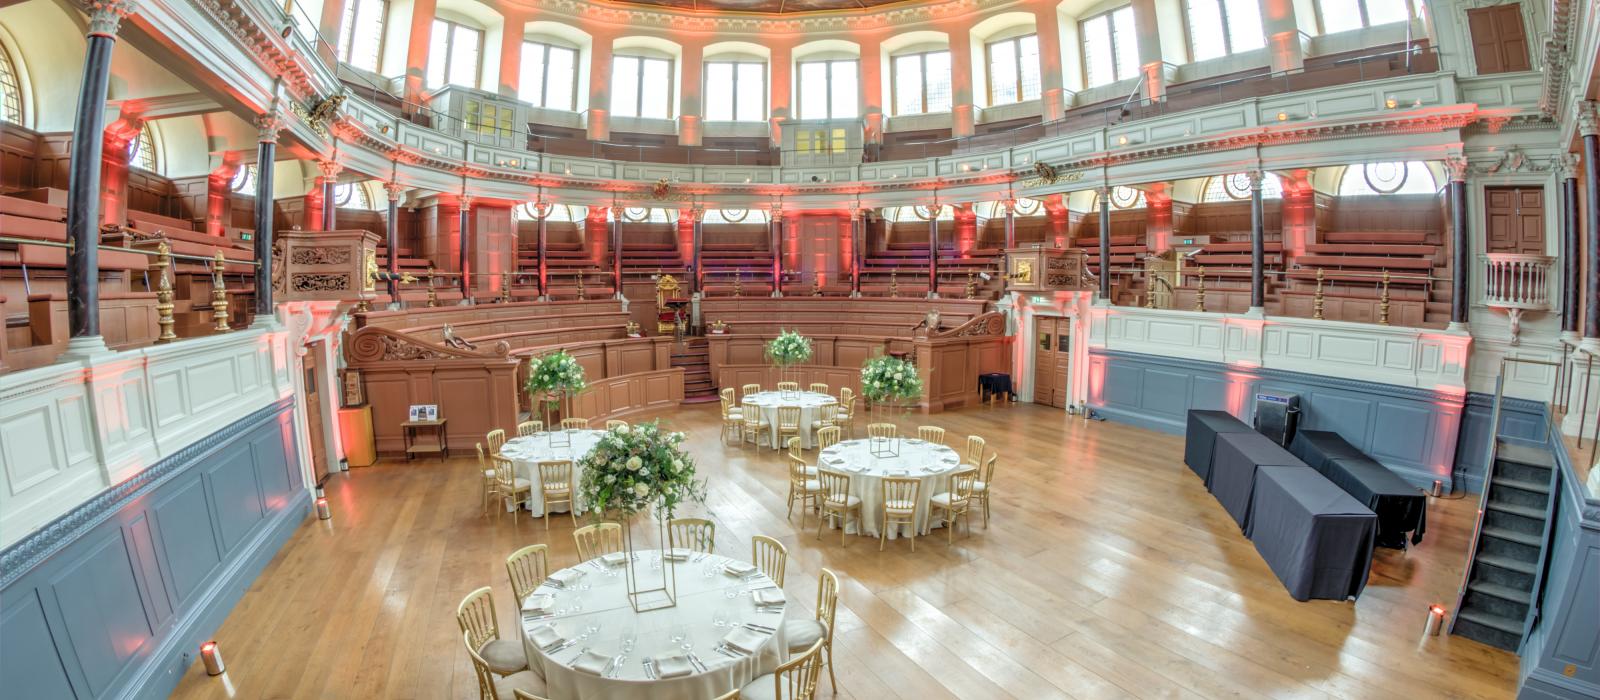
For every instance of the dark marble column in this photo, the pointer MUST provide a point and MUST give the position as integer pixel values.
(933, 252)
(1105, 244)
(697, 241)
(1011, 223)
(330, 182)
(544, 266)
(777, 252)
(1258, 235)
(391, 238)
(466, 249)
(616, 250)
(1589, 126)
(1460, 242)
(83, 188)
(1569, 244)
(266, 154)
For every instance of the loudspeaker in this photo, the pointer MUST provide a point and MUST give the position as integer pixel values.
(1277, 416)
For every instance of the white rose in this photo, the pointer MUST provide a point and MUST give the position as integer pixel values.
(635, 463)
(677, 464)
(622, 429)
(611, 478)
(641, 489)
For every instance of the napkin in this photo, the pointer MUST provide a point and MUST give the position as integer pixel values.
(614, 558)
(768, 596)
(591, 662)
(899, 472)
(739, 568)
(677, 554)
(546, 637)
(745, 639)
(539, 603)
(566, 577)
(673, 666)
(913, 441)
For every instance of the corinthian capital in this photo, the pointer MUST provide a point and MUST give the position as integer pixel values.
(395, 190)
(1588, 120)
(105, 16)
(1256, 177)
(1458, 167)
(268, 125)
(330, 169)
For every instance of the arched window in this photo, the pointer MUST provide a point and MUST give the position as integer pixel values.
(1374, 179)
(143, 156)
(1345, 15)
(997, 209)
(1110, 47)
(10, 88)
(649, 215)
(244, 179)
(828, 89)
(351, 195)
(558, 213)
(361, 34)
(1123, 198)
(1222, 27)
(1230, 188)
(1013, 69)
(736, 216)
(736, 91)
(454, 54)
(918, 213)
(921, 82)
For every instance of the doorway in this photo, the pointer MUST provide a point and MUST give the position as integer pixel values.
(314, 425)
(1515, 217)
(1051, 361)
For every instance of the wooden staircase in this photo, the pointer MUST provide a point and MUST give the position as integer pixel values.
(694, 357)
(1498, 599)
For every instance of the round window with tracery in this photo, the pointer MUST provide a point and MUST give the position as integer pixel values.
(1385, 178)
(1126, 197)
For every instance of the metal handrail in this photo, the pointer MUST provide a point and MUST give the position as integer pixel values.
(120, 249)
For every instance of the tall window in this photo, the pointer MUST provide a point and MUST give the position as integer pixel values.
(1409, 177)
(361, 35)
(453, 53)
(10, 88)
(548, 77)
(828, 89)
(1235, 187)
(641, 87)
(922, 82)
(1222, 27)
(143, 156)
(736, 91)
(1014, 70)
(1344, 15)
(1110, 47)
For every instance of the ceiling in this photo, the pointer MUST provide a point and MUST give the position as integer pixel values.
(762, 6)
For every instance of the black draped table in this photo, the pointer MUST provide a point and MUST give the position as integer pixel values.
(1200, 439)
(995, 383)
(1233, 470)
(1400, 507)
(1314, 536)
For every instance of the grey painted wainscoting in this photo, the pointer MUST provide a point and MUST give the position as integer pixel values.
(1412, 431)
(113, 599)
(1561, 653)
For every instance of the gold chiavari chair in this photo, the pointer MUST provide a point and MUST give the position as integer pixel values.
(845, 415)
(574, 423)
(732, 417)
(803, 484)
(788, 423)
(974, 454)
(955, 503)
(837, 502)
(529, 427)
(788, 386)
(748, 389)
(491, 485)
(882, 430)
(525, 695)
(697, 534)
(754, 427)
(614, 424)
(597, 540)
(828, 437)
(801, 634)
(555, 486)
(984, 486)
(770, 556)
(899, 506)
(797, 454)
(819, 388)
(496, 439)
(730, 695)
(514, 490)
(481, 631)
(527, 568)
(825, 416)
(931, 433)
(489, 690)
(795, 679)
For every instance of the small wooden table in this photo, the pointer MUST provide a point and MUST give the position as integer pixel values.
(425, 444)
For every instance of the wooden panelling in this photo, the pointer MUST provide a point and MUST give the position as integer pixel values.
(630, 394)
(416, 320)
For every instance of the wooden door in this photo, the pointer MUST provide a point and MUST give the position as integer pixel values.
(1053, 344)
(1498, 42)
(313, 382)
(1515, 219)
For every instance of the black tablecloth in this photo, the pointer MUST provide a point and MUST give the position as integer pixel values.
(1233, 470)
(994, 383)
(1314, 536)
(1200, 439)
(1400, 507)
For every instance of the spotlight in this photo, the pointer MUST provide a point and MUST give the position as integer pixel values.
(815, 178)
(1122, 140)
(1283, 116)
(1390, 103)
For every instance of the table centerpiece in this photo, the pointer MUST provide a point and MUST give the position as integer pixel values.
(552, 380)
(885, 378)
(786, 352)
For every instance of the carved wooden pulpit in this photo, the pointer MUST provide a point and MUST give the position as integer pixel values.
(1039, 269)
(325, 266)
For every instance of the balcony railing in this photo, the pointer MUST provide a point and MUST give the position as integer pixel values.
(1517, 283)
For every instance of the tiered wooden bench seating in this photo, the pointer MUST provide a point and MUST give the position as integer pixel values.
(911, 260)
(752, 263)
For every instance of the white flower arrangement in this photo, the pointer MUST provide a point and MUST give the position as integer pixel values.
(789, 348)
(554, 375)
(635, 469)
(885, 378)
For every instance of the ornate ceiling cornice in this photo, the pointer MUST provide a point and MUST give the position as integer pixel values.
(637, 16)
(1557, 51)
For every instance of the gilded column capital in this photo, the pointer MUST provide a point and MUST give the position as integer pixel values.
(105, 16)
(395, 190)
(1458, 167)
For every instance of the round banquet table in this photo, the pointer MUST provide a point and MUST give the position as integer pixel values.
(810, 403)
(526, 453)
(592, 614)
(928, 462)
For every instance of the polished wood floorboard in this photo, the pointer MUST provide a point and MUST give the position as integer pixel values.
(1107, 571)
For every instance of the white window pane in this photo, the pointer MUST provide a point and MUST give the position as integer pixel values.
(719, 92)
(530, 81)
(1003, 72)
(625, 86)
(752, 97)
(438, 53)
(1384, 12)
(937, 68)
(814, 90)
(367, 34)
(1028, 66)
(347, 28)
(1205, 30)
(908, 84)
(657, 77)
(1244, 25)
(1339, 15)
(844, 95)
(464, 47)
(1126, 38)
(559, 78)
(1097, 58)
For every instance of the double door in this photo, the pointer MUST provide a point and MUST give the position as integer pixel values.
(1052, 351)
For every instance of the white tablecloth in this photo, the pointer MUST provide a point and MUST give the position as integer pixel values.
(810, 403)
(931, 463)
(527, 452)
(596, 605)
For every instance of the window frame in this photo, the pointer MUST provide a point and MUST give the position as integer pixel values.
(922, 61)
(449, 52)
(544, 77)
(12, 104)
(1111, 38)
(144, 155)
(1366, 19)
(347, 37)
(766, 81)
(638, 104)
(988, 63)
(1227, 30)
(799, 86)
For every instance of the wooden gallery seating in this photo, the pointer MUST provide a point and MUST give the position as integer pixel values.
(476, 380)
(846, 332)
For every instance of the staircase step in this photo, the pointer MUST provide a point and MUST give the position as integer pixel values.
(1524, 511)
(1525, 454)
(1512, 536)
(1493, 621)
(1508, 563)
(1506, 593)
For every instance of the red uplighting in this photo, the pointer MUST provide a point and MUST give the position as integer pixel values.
(1436, 609)
(208, 647)
(322, 501)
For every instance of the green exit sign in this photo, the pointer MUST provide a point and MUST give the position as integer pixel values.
(247, 236)
(1040, 300)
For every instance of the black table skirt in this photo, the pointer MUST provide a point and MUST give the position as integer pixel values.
(995, 383)
(1315, 537)
(1400, 507)
(1233, 471)
(1200, 438)
(1319, 447)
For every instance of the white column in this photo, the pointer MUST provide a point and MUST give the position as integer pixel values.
(1285, 41)
(599, 125)
(691, 99)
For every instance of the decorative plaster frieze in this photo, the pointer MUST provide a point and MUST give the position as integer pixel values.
(1557, 52)
(634, 16)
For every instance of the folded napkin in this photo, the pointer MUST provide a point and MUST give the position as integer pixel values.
(546, 637)
(745, 639)
(566, 577)
(898, 472)
(739, 568)
(677, 554)
(591, 662)
(673, 666)
(614, 558)
(768, 596)
(913, 441)
(539, 603)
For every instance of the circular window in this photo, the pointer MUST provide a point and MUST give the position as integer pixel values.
(1126, 197)
(1237, 186)
(1385, 178)
(735, 216)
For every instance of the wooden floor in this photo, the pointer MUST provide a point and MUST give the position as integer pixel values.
(1108, 571)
